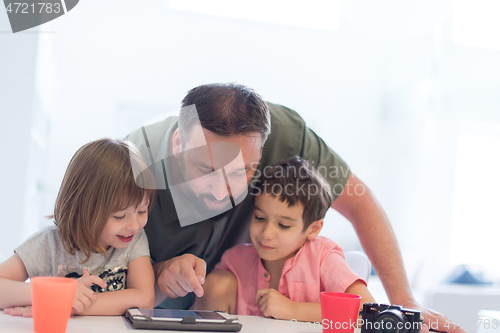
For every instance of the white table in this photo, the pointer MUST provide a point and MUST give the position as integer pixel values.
(77, 324)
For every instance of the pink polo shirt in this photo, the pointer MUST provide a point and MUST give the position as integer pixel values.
(318, 266)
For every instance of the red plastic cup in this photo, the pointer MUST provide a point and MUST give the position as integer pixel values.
(52, 301)
(339, 312)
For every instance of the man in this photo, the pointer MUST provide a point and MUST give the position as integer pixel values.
(204, 162)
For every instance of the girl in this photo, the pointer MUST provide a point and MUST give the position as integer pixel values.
(98, 237)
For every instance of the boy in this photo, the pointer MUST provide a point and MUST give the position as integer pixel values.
(283, 271)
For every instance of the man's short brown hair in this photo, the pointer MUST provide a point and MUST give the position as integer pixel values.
(225, 109)
(99, 181)
(293, 182)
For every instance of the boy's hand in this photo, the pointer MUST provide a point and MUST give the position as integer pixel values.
(24, 311)
(273, 304)
(86, 297)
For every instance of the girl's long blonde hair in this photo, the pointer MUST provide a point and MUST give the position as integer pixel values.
(99, 181)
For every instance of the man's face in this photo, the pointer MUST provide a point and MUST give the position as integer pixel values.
(217, 169)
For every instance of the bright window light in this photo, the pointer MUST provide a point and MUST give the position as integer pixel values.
(314, 14)
(476, 218)
(477, 23)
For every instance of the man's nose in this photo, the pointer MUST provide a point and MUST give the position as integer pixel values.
(219, 190)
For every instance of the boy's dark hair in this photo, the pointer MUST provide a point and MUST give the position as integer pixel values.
(225, 109)
(293, 182)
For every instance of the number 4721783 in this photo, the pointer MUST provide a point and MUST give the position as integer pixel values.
(40, 7)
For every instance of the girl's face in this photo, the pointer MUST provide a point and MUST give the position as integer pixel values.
(122, 225)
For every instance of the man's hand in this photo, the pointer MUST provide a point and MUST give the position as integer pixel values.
(273, 304)
(84, 296)
(178, 276)
(24, 311)
(433, 320)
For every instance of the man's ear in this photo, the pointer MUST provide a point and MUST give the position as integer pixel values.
(314, 229)
(176, 143)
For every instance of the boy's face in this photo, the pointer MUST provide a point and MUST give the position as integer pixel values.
(276, 230)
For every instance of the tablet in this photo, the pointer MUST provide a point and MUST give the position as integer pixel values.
(183, 320)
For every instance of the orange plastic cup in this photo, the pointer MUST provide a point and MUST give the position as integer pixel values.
(339, 312)
(52, 301)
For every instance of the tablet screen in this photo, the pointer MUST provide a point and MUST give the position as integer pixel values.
(163, 313)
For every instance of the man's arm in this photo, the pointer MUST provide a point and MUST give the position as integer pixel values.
(358, 204)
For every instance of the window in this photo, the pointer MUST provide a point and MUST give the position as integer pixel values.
(476, 23)
(476, 216)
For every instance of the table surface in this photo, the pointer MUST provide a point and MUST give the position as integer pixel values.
(98, 324)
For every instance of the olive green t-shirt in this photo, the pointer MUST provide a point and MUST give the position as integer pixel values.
(210, 238)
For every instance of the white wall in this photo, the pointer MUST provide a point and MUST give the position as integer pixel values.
(17, 108)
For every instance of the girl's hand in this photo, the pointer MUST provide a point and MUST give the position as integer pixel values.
(24, 311)
(86, 297)
(273, 304)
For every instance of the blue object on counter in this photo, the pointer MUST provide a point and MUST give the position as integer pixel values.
(463, 276)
